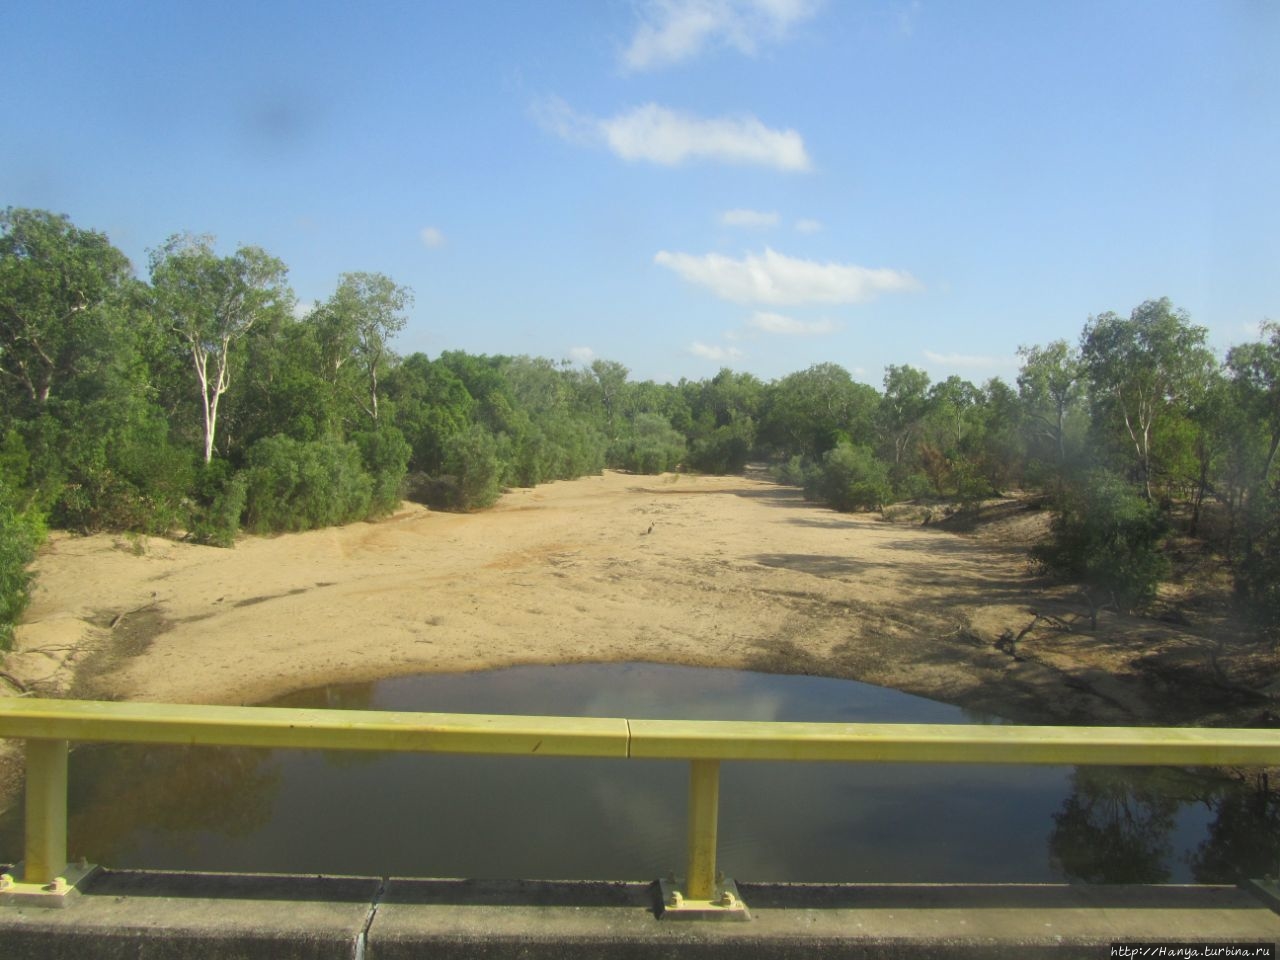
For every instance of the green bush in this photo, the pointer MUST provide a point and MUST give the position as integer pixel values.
(651, 445)
(20, 533)
(850, 478)
(972, 485)
(725, 450)
(385, 454)
(471, 459)
(113, 475)
(909, 484)
(301, 485)
(1109, 538)
(793, 473)
(216, 518)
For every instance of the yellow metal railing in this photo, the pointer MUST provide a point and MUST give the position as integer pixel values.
(48, 726)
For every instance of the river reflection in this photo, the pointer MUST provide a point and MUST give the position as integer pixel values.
(342, 812)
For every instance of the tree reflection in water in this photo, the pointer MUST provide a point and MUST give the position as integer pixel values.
(1117, 826)
(1113, 829)
(118, 793)
(1244, 837)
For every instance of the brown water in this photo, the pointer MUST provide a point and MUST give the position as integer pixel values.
(338, 812)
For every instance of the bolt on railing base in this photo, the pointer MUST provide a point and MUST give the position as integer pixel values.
(725, 903)
(15, 890)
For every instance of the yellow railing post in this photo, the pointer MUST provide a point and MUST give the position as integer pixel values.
(46, 852)
(704, 811)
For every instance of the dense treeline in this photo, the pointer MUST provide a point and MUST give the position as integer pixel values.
(204, 399)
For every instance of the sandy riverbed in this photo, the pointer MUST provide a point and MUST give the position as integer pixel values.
(722, 571)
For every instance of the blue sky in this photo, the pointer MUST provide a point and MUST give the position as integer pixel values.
(685, 184)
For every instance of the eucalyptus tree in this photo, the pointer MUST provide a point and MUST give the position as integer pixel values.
(57, 284)
(903, 408)
(1002, 443)
(609, 380)
(1051, 386)
(356, 325)
(210, 304)
(953, 408)
(1141, 369)
(809, 412)
(724, 412)
(432, 406)
(1255, 374)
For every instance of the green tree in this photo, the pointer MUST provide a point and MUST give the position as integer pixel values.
(20, 532)
(901, 416)
(1255, 373)
(1139, 369)
(295, 485)
(1050, 388)
(471, 459)
(57, 283)
(432, 406)
(1109, 539)
(609, 382)
(356, 326)
(1003, 453)
(1255, 380)
(210, 303)
(722, 428)
(850, 478)
(652, 445)
(809, 412)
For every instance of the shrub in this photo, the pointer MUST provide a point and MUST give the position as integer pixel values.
(1107, 537)
(122, 476)
(972, 485)
(725, 450)
(652, 445)
(301, 485)
(216, 519)
(20, 533)
(471, 459)
(850, 478)
(793, 473)
(385, 454)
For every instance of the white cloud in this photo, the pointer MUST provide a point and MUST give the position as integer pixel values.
(970, 361)
(748, 218)
(789, 326)
(676, 30)
(432, 237)
(711, 352)
(582, 354)
(805, 225)
(669, 138)
(303, 307)
(774, 278)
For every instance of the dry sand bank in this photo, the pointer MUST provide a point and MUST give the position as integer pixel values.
(718, 571)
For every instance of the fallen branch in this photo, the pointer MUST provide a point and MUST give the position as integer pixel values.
(9, 677)
(115, 621)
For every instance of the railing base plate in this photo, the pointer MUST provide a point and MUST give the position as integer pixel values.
(15, 891)
(725, 905)
(1267, 890)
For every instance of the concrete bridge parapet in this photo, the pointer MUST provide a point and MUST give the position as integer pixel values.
(135, 914)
